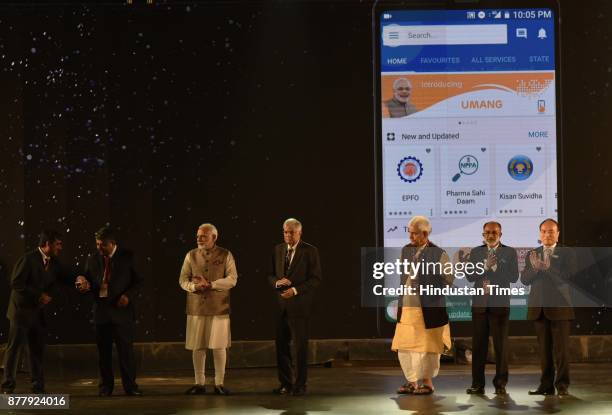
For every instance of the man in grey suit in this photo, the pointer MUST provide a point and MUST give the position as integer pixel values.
(295, 275)
(491, 312)
(548, 270)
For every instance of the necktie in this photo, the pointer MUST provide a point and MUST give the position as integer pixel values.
(46, 263)
(486, 282)
(107, 269)
(547, 253)
(288, 259)
(491, 253)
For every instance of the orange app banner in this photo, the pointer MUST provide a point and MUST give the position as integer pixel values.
(406, 94)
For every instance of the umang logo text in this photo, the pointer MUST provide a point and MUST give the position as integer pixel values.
(478, 104)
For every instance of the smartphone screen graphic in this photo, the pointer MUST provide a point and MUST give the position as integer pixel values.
(467, 128)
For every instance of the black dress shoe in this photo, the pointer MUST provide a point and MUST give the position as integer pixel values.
(500, 390)
(38, 391)
(299, 391)
(562, 392)
(196, 390)
(104, 393)
(8, 388)
(134, 392)
(220, 390)
(282, 390)
(542, 391)
(475, 390)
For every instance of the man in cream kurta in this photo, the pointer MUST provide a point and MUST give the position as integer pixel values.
(422, 331)
(208, 273)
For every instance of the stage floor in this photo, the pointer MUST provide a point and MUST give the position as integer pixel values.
(356, 389)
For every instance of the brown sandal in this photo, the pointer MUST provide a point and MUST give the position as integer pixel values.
(406, 389)
(423, 390)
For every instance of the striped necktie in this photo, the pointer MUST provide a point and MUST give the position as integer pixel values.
(288, 259)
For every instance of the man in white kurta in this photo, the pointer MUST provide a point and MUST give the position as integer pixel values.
(419, 347)
(208, 273)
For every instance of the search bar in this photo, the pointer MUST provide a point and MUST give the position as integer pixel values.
(485, 34)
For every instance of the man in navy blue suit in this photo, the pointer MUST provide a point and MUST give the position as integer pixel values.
(112, 279)
(295, 275)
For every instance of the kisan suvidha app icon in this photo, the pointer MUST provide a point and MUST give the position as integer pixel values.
(520, 167)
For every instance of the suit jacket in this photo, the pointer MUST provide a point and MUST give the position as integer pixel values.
(28, 281)
(304, 274)
(505, 273)
(550, 290)
(123, 280)
(433, 306)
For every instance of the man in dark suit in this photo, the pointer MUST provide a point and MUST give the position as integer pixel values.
(295, 275)
(33, 286)
(490, 312)
(111, 278)
(548, 270)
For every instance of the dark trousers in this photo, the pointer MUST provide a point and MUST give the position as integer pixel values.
(20, 336)
(485, 325)
(123, 337)
(553, 345)
(292, 331)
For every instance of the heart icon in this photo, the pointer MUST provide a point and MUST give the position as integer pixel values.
(483, 149)
(428, 150)
(538, 148)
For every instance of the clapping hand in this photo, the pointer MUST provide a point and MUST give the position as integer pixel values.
(491, 261)
(463, 255)
(537, 263)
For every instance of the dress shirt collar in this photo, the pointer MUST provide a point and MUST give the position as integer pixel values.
(44, 256)
(294, 247)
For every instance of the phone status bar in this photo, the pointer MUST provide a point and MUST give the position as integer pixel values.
(471, 15)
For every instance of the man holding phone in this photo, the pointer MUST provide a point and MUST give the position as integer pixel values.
(111, 277)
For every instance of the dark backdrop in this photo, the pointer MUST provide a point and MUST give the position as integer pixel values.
(156, 119)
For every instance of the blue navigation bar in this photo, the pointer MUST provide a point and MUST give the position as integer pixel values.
(456, 41)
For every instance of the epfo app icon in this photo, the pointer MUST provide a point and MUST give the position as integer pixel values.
(410, 169)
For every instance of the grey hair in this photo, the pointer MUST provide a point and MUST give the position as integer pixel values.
(209, 227)
(398, 80)
(421, 223)
(294, 223)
